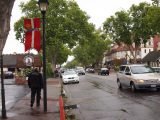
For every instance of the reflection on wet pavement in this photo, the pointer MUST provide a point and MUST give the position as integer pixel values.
(13, 93)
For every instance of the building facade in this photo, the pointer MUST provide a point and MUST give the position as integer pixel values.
(13, 62)
(123, 51)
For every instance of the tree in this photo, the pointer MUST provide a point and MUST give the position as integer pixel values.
(5, 13)
(66, 25)
(153, 17)
(63, 54)
(155, 2)
(71, 64)
(92, 53)
(131, 28)
(81, 55)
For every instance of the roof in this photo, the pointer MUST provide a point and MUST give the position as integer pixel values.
(151, 56)
(16, 61)
(121, 48)
(9, 60)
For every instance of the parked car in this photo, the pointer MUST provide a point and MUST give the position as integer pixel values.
(87, 69)
(8, 75)
(137, 76)
(70, 77)
(103, 71)
(91, 71)
(80, 70)
(156, 69)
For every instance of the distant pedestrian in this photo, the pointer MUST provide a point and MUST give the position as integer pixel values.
(35, 82)
(56, 72)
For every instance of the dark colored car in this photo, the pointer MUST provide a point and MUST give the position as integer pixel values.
(91, 71)
(8, 75)
(103, 71)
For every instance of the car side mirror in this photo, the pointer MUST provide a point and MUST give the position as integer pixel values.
(128, 73)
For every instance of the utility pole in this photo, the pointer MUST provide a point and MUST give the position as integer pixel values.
(2, 90)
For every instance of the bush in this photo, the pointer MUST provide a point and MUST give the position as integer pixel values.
(116, 68)
(49, 71)
(27, 71)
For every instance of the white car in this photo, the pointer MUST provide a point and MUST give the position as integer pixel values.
(137, 76)
(70, 77)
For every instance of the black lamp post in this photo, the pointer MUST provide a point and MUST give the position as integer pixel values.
(43, 7)
(2, 90)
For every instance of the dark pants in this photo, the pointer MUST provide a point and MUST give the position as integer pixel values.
(35, 91)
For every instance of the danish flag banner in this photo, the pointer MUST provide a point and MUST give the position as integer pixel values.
(33, 33)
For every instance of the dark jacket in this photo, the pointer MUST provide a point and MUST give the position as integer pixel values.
(35, 80)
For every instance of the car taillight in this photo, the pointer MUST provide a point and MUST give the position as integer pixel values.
(102, 71)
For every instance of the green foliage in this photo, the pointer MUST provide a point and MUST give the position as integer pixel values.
(62, 56)
(130, 27)
(49, 71)
(93, 51)
(155, 2)
(116, 68)
(27, 71)
(66, 24)
(71, 64)
(153, 17)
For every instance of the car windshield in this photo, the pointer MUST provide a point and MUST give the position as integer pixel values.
(79, 68)
(8, 72)
(69, 72)
(141, 69)
(104, 69)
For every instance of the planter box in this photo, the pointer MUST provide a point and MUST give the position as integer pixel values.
(21, 80)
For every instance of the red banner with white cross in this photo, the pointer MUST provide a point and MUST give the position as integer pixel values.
(33, 34)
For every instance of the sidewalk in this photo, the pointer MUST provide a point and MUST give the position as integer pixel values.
(22, 110)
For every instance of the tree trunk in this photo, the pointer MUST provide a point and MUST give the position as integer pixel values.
(53, 57)
(135, 56)
(5, 13)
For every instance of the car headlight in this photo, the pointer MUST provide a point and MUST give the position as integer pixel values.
(159, 80)
(140, 81)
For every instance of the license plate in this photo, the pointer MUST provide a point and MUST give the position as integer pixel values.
(153, 85)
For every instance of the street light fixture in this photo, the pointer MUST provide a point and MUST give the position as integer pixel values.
(43, 7)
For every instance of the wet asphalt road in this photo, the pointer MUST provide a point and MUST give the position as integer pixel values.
(99, 98)
(13, 93)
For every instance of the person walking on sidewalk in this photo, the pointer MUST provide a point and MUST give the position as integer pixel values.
(35, 82)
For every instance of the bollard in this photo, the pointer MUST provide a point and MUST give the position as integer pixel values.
(61, 107)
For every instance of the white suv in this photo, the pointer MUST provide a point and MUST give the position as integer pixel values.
(137, 76)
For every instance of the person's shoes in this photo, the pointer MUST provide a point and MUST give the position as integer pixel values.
(31, 105)
(38, 105)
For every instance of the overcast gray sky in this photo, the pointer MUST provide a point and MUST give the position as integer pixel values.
(98, 10)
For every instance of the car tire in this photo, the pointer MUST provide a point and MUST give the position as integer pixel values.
(119, 84)
(133, 88)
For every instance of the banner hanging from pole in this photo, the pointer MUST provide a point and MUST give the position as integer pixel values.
(33, 34)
